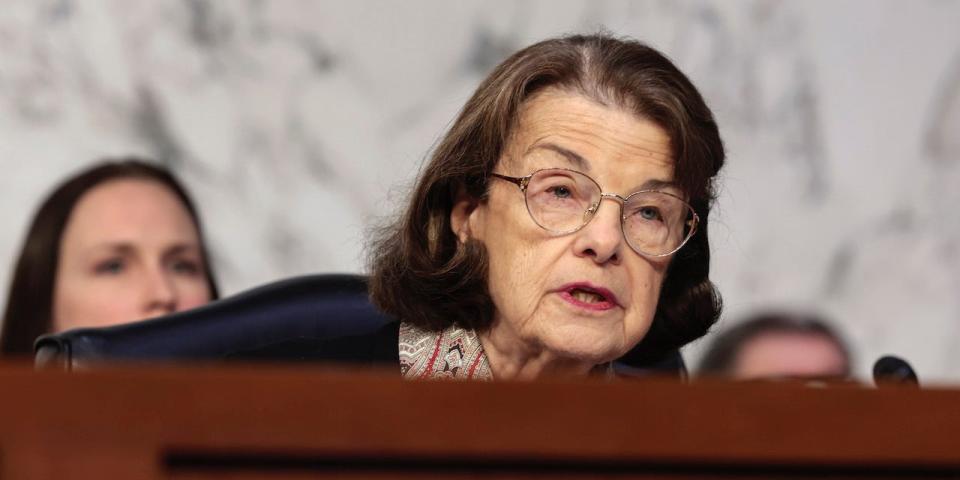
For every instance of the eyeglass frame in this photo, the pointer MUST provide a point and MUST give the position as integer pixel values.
(524, 181)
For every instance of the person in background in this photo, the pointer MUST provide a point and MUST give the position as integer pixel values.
(777, 345)
(118, 242)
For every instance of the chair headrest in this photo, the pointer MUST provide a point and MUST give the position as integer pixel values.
(318, 306)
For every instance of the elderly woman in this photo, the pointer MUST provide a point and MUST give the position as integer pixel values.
(560, 223)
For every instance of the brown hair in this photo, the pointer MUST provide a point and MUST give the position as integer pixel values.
(421, 274)
(29, 310)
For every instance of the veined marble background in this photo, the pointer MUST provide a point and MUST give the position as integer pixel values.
(297, 124)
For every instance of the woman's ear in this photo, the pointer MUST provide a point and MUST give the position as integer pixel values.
(461, 215)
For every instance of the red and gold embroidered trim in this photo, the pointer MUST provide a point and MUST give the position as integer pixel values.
(452, 353)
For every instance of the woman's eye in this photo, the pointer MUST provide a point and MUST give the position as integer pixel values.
(110, 267)
(649, 213)
(187, 267)
(560, 191)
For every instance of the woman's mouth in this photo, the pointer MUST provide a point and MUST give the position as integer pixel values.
(588, 296)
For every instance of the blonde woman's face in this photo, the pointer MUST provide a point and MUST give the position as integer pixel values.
(130, 251)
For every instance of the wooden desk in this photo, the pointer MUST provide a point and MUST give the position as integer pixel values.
(219, 422)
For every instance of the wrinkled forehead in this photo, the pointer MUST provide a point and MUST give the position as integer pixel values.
(560, 129)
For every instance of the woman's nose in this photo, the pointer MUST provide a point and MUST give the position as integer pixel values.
(602, 237)
(160, 294)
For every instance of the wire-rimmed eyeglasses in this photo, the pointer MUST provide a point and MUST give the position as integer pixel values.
(562, 201)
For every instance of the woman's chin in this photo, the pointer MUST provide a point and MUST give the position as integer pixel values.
(586, 348)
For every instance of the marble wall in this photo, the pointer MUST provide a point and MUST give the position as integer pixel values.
(298, 124)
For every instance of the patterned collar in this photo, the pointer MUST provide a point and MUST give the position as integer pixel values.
(453, 353)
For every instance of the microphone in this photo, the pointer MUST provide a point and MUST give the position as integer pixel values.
(890, 370)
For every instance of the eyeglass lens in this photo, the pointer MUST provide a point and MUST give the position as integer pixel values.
(563, 201)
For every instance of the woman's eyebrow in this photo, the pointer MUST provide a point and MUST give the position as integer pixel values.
(583, 164)
(575, 159)
(182, 248)
(656, 184)
(113, 247)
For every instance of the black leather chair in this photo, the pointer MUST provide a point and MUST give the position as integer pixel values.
(314, 306)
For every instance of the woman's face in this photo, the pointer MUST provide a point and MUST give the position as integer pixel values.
(534, 276)
(790, 354)
(130, 251)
